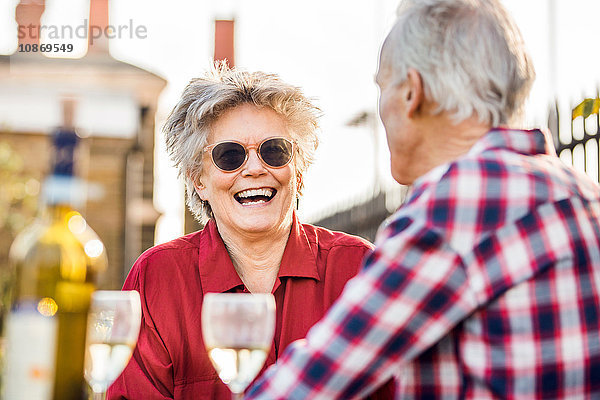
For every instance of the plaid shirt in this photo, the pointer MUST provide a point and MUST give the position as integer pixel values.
(485, 284)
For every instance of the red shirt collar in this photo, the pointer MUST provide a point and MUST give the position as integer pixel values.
(218, 275)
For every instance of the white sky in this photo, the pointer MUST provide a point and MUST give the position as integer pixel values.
(330, 48)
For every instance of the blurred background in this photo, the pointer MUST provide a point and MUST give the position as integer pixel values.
(124, 64)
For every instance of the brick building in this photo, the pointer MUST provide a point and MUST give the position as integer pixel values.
(115, 106)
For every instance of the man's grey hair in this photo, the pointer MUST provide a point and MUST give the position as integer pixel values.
(221, 89)
(470, 55)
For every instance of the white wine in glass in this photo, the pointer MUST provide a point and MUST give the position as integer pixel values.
(113, 327)
(238, 330)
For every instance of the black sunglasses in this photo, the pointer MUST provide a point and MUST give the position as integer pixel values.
(229, 155)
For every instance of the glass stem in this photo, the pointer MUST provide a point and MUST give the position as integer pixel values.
(99, 396)
(235, 396)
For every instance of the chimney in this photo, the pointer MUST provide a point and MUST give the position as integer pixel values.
(68, 106)
(28, 14)
(224, 46)
(98, 23)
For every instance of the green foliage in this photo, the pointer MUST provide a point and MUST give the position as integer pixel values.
(586, 108)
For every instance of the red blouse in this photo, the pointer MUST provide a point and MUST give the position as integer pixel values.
(170, 361)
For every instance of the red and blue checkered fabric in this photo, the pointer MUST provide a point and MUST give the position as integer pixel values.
(485, 284)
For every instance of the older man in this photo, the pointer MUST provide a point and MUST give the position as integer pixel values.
(486, 283)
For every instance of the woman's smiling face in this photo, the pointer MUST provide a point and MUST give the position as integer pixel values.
(255, 198)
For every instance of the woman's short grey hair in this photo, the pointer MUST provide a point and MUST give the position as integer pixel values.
(205, 99)
(470, 54)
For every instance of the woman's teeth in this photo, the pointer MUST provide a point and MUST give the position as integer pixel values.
(254, 196)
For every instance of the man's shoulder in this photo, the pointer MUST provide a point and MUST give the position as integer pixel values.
(513, 178)
(493, 176)
(466, 200)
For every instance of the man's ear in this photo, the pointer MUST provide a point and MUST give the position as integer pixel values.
(414, 94)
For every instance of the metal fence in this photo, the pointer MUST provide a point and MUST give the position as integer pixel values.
(579, 147)
(362, 216)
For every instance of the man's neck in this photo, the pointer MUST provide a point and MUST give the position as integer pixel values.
(458, 139)
(446, 141)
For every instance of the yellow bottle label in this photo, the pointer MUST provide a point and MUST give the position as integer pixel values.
(30, 354)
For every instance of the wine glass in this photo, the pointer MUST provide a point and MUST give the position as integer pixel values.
(112, 331)
(238, 330)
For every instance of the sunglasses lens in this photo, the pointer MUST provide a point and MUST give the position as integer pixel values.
(276, 152)
(229, 156)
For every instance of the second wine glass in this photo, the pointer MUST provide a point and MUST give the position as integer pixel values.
(238, 329)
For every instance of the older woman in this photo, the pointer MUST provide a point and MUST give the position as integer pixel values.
(242, 141)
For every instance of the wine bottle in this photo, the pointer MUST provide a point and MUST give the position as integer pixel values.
(56, 261)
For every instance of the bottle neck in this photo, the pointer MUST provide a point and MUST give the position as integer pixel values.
(62, 192)
(59, 212)
(65, 141)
